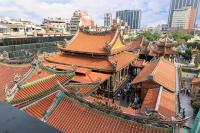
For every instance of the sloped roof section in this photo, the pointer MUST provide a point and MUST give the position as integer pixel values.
(82, 89)
(73, 117)
(95, 43)
(43, 104)
(8, 74)
(104, 64)
(146, 72)
(89, 43)
(36, 88)
(167, 106)
(150, 100)
(160, 71)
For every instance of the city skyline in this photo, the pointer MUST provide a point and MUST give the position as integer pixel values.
(36, 10)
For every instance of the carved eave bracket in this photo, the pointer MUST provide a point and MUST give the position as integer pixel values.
(114, 64)
(108, 47)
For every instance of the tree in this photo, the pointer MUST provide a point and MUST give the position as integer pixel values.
(187, 55)
(197, 59)
(181, 36)
(180, 41)
(150, 36)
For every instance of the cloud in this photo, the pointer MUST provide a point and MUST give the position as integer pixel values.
(153, 11)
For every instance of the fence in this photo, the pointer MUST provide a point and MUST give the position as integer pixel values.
(30, 40)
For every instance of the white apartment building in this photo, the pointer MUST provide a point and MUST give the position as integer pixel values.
(17, 28)
(56, 25)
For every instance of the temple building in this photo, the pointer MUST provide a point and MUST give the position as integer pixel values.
(163, 47)
(10, 75)
(156, 87)
(102, 52)
(75, 89)
(166, 48)
(55, 96)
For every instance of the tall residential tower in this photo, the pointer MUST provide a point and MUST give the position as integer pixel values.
(108, 20)
(183, 18)
(132, 17)
(180, 4)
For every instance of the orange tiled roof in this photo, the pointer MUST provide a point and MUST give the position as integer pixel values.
(38, 74)
(167, 106)
(83, 75)
(123, 59)
(69, 116)
(160, 71)
(7, 73)
(166, 102)
(196, 80)
(38, 88)
(57, 66)
(139, 63)
(150, 99)
(80, 118)
(89, 43)
(90, 77)
(82, 89)
(135, 45)
(146, 71)
(39, 109)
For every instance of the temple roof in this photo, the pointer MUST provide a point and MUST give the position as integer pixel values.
(70, 115)
(139, 63)
(36, 88)
(162, 101)
(106, 43)
(8, 73)
(38, 74)
(196, 80)
(38, 109)
(82, 89)
(150, 100)
(112, 63)
(167, 106)
(164, 40)
(160, 71)
(83, 75)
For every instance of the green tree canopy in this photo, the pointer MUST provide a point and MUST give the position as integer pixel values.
(181, 36)
(150, 36)
(187, 55)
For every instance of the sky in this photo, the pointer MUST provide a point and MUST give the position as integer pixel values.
(154, 12)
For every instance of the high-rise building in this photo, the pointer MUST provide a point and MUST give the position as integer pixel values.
(80, 19)
(183, 18)
(178, 4)
(108, 20)
(132, 17)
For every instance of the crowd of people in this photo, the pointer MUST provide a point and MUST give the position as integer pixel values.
(131, 95)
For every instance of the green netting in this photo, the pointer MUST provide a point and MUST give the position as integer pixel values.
(196, 125)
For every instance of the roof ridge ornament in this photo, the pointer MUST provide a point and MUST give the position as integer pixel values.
(108, 47)
(55, 103)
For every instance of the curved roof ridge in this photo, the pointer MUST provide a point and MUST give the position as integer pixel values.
(114, 38)
(53, 106)
(74, 37)
(37, 101)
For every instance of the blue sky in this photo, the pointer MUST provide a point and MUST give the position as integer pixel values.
(153, 11)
